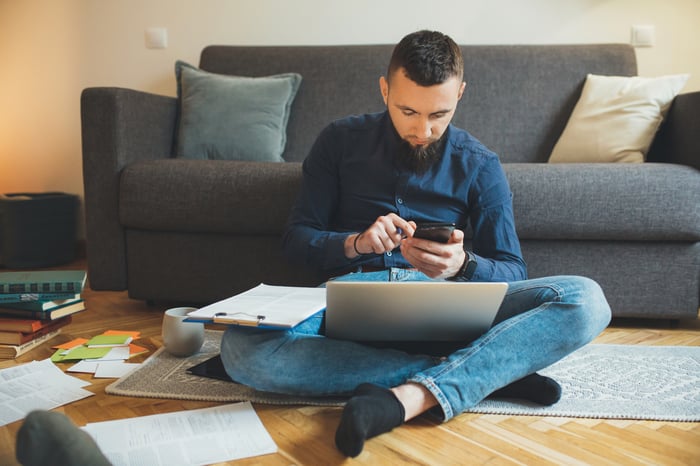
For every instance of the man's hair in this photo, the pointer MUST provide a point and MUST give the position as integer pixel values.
(428, 58)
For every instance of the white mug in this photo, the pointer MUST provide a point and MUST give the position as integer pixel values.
(181, 338)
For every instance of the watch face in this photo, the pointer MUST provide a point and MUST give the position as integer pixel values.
(469, 265)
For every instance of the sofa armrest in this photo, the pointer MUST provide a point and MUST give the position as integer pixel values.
(119, 127)
(678, 138)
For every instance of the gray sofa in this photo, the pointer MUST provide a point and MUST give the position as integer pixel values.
(196, 231)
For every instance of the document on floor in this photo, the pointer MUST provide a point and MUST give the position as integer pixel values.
(36, 385)
(195, 437)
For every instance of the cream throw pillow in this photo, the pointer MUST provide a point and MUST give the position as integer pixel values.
(616, 118)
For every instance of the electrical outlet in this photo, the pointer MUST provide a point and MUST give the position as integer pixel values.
(643, 35)
(156, 38)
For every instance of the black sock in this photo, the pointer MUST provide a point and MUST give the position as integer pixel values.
(48, 437)
(371, 411)
(534, 387)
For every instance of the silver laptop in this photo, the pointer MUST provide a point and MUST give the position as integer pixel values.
(411, 311)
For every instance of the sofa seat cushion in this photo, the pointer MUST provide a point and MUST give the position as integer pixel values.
(645, 202)
(208, 196)
(626, 202)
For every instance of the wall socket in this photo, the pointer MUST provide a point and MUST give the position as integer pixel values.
(643, 35)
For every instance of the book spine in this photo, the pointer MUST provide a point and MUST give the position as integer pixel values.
(50, 314)
(13, 351)
(26, 297)
(20, 338)
(8, 324)
(42, 287)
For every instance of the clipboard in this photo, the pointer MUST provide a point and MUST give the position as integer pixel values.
(239, 319)
(265, 306)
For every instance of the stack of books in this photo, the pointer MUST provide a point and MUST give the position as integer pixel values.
(35, 306)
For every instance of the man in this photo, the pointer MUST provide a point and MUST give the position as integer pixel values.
(366, 183)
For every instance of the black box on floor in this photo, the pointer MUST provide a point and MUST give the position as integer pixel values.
(37, 229)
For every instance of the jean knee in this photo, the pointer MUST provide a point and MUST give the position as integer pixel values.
(592, 311)
(244, 352)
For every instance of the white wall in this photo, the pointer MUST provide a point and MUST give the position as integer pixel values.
(50, 50)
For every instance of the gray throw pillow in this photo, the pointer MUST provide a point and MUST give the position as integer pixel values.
(225, 117)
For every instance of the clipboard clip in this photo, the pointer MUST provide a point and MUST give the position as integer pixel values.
(229, 318)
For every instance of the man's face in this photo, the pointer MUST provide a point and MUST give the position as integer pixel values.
(420, 114)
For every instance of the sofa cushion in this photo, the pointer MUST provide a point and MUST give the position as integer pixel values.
(620, 202)
(208, 196)
(628, 202)
(233, 117)
(616, 118)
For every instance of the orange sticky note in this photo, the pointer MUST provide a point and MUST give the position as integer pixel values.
(135, 349)
(71, 344)
(132, 333)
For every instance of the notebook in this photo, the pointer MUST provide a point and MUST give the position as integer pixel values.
(411, 311)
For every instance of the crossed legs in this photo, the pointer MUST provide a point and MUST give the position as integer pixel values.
(539, 322)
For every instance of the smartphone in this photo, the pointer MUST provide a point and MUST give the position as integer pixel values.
(439, 232)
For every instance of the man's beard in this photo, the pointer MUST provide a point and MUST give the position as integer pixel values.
(418, 159)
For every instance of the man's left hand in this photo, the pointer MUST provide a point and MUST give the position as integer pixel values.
(436, 260)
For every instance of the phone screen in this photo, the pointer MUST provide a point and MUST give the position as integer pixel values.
(439, 232)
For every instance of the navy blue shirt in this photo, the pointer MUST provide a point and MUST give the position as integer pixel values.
(351, 177)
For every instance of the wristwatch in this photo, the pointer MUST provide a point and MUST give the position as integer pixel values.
(466, 272)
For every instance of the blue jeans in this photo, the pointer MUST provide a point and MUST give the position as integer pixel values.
(539, 322)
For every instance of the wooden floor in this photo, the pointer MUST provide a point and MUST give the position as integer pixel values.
(304, 435)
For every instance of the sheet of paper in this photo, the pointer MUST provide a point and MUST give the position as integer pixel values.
(117, 353)
(196, 437)
(114, 369)
(283, 306)
(85, 367)
(36, 385)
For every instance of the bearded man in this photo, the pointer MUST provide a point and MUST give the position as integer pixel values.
(367, 181)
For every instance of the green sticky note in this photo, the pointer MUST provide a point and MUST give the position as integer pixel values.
(58, 355)
(109, 340)
(80, 352)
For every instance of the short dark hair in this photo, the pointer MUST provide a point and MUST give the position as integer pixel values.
(428, 58)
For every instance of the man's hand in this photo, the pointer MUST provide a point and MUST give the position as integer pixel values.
(436, 260)
(384, 235)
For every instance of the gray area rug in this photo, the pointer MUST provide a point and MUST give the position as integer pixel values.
(660, 383)
(165, 376)
(598, 381)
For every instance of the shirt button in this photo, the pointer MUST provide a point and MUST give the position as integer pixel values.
(399, 200)
(388, 253)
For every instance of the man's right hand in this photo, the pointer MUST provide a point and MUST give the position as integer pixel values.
(384, 235)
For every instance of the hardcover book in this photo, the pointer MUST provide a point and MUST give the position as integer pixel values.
(19, 338)
(41, 305)
(43, 281)
(11, 298)
(9, 324)
(51, 314)
(12, 351)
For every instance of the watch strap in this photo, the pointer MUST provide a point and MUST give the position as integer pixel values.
(466, 272)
